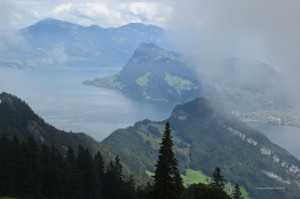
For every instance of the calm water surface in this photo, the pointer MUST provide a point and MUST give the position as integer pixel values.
(57, 95)
(287, 137)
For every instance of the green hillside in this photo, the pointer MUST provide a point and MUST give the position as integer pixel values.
(206, 137)
(154, 73)
(17, 119)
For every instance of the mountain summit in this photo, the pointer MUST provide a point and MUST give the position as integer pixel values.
(56, 42)
(154, 73)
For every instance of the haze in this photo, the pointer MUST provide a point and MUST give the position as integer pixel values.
(264, 30)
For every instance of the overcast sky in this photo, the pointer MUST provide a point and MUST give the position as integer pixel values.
(105, 13)
(268, 30)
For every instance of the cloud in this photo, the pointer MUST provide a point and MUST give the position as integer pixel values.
(265, 30)
(5, 8)
(8, 34)
(151, 12)
(100, 12)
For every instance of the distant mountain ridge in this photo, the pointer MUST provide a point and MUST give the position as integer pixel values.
(206, 137)
(56, 42)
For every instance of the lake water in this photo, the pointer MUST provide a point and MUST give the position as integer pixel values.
(57, 95)
(287, 137)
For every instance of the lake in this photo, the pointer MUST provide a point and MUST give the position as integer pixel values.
(287, 137)
(58, 96)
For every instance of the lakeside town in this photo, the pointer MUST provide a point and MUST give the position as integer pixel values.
(286, 118)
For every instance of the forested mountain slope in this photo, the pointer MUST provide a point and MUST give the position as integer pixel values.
(206, 137)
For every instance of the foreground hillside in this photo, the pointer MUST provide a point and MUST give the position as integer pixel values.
(17, 119)
(204, 138)
(39, 162)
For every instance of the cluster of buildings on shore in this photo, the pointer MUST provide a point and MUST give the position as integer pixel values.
(264, 117)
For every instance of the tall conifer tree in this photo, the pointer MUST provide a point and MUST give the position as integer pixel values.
(236, 192)
(217, 180)
(99, 178)
(167, 180)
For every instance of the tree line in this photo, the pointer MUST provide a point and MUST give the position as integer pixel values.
(28, 170)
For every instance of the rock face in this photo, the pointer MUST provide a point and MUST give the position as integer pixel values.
(206, 137)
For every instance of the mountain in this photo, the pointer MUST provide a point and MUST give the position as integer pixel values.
(55, 42)
(158, 74)
(154, 73)
(205, 137)
(17, 119)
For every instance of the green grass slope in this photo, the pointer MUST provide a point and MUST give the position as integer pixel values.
(154, 73)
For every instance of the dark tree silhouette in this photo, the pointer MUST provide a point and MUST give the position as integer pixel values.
(236, 192)
(167, 180)
(199, 191)
(217, 180)
(86, 170)
(99, 178)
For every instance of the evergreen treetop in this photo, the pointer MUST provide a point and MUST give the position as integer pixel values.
(217, 180)
(167, 180)
(236, 192)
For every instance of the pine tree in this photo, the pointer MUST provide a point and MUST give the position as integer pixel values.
(201, 190)
(47, 173)
(33, 183)
(4, 165)
(74, 188)
(114, 184)
(129, 188)
(86, 170)
(118, 169)
(217, 179)
(236, 192)
(167, 180)
(99, 171)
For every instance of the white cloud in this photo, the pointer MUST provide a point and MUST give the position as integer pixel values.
(151, 12)
(104, 13)
(267, 30)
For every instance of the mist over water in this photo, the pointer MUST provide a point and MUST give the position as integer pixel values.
(57, 95)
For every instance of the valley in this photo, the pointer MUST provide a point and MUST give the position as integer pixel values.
(117, 87)
(204, 137)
